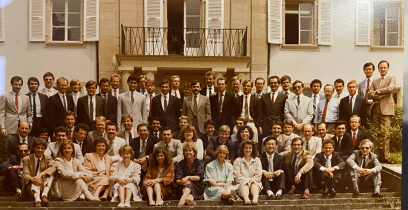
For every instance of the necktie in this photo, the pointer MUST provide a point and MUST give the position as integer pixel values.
(37, 167)
(101, 135)
(324, 112)
(48, 93)
(129, 135)
(175, 93)
(16, 101)
(364, 163)
(307, 145)
(91, 110)
(142, 154)
(24, 141)
(195, 106)
(294, 163)
(298, 100)
(354, 139)
(220, 106)
(167, 147)
(314, 102)
(209, 91)
(327, 163)
(150, 106)
(111, 153)
(156, 134)
(366, 93)
(165, 104)
(65, 103)
(259, 96)
(143, 90)
(273, 98)
(351, 105)
(271, 170)
(115, 94)
(246, 108)
(69, 134)
(338, 97)
(80, 144)
(131, 97)
(287, 92)
(106, 98)
(34, 107)
(339, 140)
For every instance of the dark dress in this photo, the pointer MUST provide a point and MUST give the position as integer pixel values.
(196, 187)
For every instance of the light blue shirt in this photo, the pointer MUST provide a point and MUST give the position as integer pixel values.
(37, 104)
(332, 113)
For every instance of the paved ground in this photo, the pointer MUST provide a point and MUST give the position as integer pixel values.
(395, 167)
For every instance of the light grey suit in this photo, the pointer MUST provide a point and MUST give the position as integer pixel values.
(137, 110)
(75, 102)
(315, 145)
(372, 162)
(9, 116)
(53, 147)
(302, 113)
(175, 149)
(203, 110)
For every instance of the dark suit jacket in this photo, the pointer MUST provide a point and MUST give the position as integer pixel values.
(120, 91)
(56, 111)
(227, 111)
(214, 143)
(10, 161)
(360, 109)
(43, 102)
(204, 138)
(319, 160)
(203, 91)
(87, 146)
(111, 107)
(361, 135)
(277, 161)
(172, 113)
(12, 144)
(271, 113)
(346, 148)
(83, 110)
(181, 99)
(255, 108)
(135, 144)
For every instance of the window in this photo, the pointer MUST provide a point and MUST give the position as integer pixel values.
(386, 24)
(66, 20)
(299, 23)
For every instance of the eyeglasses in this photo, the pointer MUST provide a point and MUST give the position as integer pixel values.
(23, 150)
(365, 148)
(297, 87)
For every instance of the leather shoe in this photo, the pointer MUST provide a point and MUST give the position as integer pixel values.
(37, 204)
(231, 201)
(325, 191)
(291, 191)
(44, 199)
(272, 197)
(356, 191)
(278, 196)
(306, 196)
(332, 192)
(377, 195)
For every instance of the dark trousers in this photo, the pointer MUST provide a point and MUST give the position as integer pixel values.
(11, 181)
(38, 124)
(305, 179)
(275, 185)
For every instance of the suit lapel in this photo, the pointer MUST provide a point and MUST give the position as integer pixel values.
(86, 106)
(127, 96)
(32, 165)
(96, 162)
(11, 100)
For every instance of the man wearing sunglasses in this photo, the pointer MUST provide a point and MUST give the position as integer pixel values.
(21, 137)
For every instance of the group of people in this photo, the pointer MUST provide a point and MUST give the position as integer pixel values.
(202, 143)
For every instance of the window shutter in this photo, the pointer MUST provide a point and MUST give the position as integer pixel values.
(215, 25)
(154, 33)
(363, 22)
(91, 20)
(275, 21)
(2, 22)
(325, 20)
(36, 21)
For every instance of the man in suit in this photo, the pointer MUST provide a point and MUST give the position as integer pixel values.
(21, 137)
(70, 119)
(273, 105)
(58, 104)
(286, 82)
(142, 146)
(248, 107)
(141, 82)
(299, 108)
(236, 84)
(14, 107)
(38, 102)
(100, 124)
(175, 84)
(322, 132)
(81, 132)
(329, 166)
(327, 110)
(283, 141)
(115, 83)
(382, 108)
(166, 107)
(352, 105)
(76, 94)
(90, 106)
(197, 108)
(297, 164)
(357, 134)
(183, 123)
(132, 103)
(209, 132)
(48, 90)
(221, 105)
(366, 169)
(110, 101)
(311, 143)
(127, 133)
(210, 89)
(173, 146)
(364, 86)
(316, 96)
(339, 86)
(12, 168)
(273, 177)
(155, 128)
(61, 135)
(151, 88)
(259, 85)
(343, 141)
(221, 139)
(114, 142)
(38, 171)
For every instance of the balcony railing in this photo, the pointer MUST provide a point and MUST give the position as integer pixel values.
(183, 41)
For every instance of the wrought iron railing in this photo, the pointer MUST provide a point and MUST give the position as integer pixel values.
(183, 41)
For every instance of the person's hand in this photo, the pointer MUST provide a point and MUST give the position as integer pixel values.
(4, 132)
(267, 175)
(204, 153)
(298, 127)
(360, 171)
(36, 181)
(277, 173)
(228, 160)
(260, 131)
(121, 181)
(128, 180)
(14, 168)
(297, 177)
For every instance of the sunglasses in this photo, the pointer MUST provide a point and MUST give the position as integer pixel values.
(23, 150)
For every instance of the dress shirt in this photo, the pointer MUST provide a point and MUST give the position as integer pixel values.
(240, 93)
(332, 114)
(223, 98)
(362, 160)
(167, 100)
(370, 101)
(192, 101)
(317, 98)
(37, 104)
(141, 145)
(322, 168)
(72, 131)
(21, 139)
(353, 101)
(297, 159)
(36, 159)
(117, 92)
(62, 96)
(270, 158)
(354, 132)
(243, 107)
(256, 95)
(274, 96)
(127, 135)
(20, 172)
(339, 140)
(208, 90)
(173, 93)
(148, 100)
(156, 135)
(342, 94)
(75, 96)
(69, 164)
(222, 143)
(101, 163)
(20, 102)
(143, 91)
(49, 92)
(94, 106)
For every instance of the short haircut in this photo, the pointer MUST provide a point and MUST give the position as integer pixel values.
(325, 126)
(164, 81)
(328, 85)
(369, 64)
(125, 117)
(366, 141)
(39, 142)
(297, 81)
(339, 81)
(81, 126)
(183, 117)
(61, 129)
(353, 82)
(209, 122)
(73, 82)
(103, 80)
(155, 119)
(100, 118)
(90, 83)
(308, 124)
(165, 128)
(285, 77)
(149, 81)
(69, 113)
(188, 128)
(115, 76)
(101, 141)
(126, 148)
(224, 128)
(143, 124)
(195, 82)
(222, 78)
(60, 152)
(260, 78)
(221, 148)
(316, 81)
(288, 122)
(210, 73)
(16, 79)
(236, 78)
(277, 122)
(329, 141)
(251, 132)
(295, 140)
(48, 74)
(273, 77)
(242, 119)
(59, 80)
(254, 148)
(383, 61)
(190, 145)
(338, 123)
(356, 116)
(173, 77)
(132, 77)
(111, 124)
(141, 77)
(187, 85)
(34, 79)
(270, 138)
(247, 81)
(19, 123)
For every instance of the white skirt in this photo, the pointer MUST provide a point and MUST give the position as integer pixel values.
(130, 186)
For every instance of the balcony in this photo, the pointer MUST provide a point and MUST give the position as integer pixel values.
(179, 42)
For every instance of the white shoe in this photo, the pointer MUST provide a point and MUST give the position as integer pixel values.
(138, 199)
(126, 205)
(121, 205)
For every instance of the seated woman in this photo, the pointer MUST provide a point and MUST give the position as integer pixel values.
(248, 172)
(126, 176)
(99, 163)
(244, 133)
(189, 134)
(72, 180)
(189, 176)
(159, 176)
(219, 177)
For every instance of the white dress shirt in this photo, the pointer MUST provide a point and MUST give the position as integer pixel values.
(63, 98)
(207, 93)
(37, 104)
(20, 101)
(243, 106)
(172, 92)
(167, 100)
(274, 96)
(192, 101)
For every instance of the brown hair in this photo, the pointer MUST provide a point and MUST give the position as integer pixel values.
(168, 160)
(190, 145)
(101, 140)
(220, 149)
(60, 152)
(126, 148)
(254, 148)
(188, 128)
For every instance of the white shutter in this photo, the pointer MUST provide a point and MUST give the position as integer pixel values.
(154, 32)
(2, 22)
(275, 21)
(91, 20)
(215, 24)
(36, 20)
(363, 22)
(325, 20)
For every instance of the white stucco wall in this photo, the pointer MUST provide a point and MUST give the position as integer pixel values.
(28, 59)
(342, 60)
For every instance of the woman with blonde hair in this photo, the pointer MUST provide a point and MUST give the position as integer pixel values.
(189, 134)
(72, 180)
(126, 178)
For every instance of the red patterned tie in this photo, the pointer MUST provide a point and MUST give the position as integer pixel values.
(16, 101)
(324, 112)
(354, 139)
(273, 98)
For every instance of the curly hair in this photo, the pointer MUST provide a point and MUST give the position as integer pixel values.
(251, 132)
(254, 148)
(190, 145)
(188, 128)
(60, 152)
(101, 140)
(168, 160)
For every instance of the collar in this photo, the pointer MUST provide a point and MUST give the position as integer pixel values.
(223, 93)
(167, 95)
(14, 93)
(268, 156)
(37, 159)
(330, 156)
(32, 93)
(60, 94)
(144, 139)
(21, 138)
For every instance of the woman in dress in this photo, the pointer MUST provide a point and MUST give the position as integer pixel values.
(248, 172)
(72, 180)
(244, 133)
(126, 178)
(189, 134)
(99, 163)
(219, 177)
(159, 176)
(189, 176)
